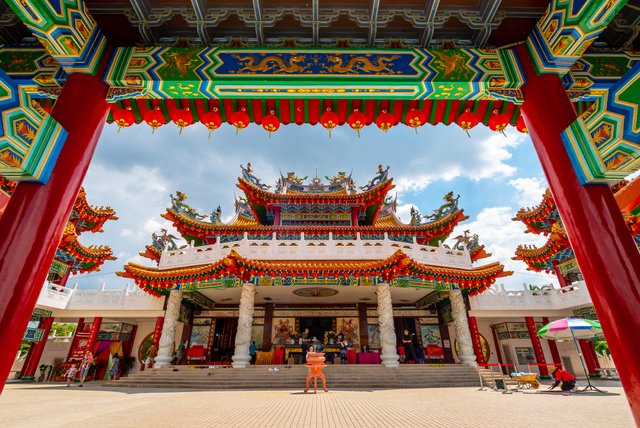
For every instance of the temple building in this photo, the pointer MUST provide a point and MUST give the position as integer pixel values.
(72, 257)
(323, 254)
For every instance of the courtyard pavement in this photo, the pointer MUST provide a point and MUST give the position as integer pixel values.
(55, 405)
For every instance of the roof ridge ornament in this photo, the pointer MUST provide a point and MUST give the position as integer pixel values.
(381, 177)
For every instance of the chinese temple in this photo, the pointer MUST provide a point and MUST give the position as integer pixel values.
(556, 255)
(71, 257)
(565, 71)
(314, 253)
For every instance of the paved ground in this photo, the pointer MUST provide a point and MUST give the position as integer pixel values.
(52, 405)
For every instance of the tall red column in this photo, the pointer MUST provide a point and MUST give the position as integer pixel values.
(31, 367)
(74, 341)
(157, 332)
(34, 219)
(93, 333)
(604, 249)
(354, 216)
(589, 358)
(127, 350)
(475, 338)
(537, 346)
(552, 346)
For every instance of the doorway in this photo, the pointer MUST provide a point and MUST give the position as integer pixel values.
(224, 339)
(317, 326)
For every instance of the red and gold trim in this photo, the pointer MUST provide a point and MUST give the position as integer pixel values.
(93, 217)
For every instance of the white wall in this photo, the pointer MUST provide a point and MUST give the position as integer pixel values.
(55, 351)
(144, 328)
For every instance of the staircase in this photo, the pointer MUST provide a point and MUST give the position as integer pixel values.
(489, 381)
(338, 377)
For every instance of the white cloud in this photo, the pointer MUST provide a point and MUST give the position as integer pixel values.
(501, 236)
(154, 225)
(531, 190)
(125, 233)
(404, 212)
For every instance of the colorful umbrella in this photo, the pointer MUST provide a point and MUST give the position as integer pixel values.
(570, 328)
(573, 328)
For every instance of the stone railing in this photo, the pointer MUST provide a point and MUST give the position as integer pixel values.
(54, 296)
(129, 298)
(334, 249)
(548, 298)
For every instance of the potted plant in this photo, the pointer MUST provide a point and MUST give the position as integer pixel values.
(59, 371)
(127, 364)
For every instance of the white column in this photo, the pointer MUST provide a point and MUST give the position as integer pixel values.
(463, 335)
(389, 355)
(168, 337)
(241, 357)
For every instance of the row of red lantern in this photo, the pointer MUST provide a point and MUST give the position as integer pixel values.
(329, 120)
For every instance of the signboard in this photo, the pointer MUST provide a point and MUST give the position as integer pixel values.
(33, 334)
(588, 313)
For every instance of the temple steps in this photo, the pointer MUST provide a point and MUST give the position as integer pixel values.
(338, 377)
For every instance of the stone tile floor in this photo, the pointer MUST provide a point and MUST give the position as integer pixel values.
(54, 405)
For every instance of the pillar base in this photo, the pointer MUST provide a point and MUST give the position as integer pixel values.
(469, 360)
(162, 361)
(241, 361)
(390, 360)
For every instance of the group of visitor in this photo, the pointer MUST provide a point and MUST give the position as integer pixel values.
(85, 365)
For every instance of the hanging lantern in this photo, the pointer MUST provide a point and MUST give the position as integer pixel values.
(329, 120)
(270, 123)
(240, 120)
(498, 122)
(212, 120)
(182, 118)
(521, 126)
(154, 118)
(357, 121)
(123, 117)
(385, 121)
(415, 118)
(467, 120)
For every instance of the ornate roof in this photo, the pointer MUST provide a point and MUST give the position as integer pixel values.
(89, 218)
(81, 259)
(157, 282)
(539, 219)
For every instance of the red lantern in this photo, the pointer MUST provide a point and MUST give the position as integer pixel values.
(270, 123)
(240, 120)
(212, 120)
(467, 120)
(415, 118)
(123, 117)
(498, 122)
(182, 118)
(521, 126)
(385, 121)
(357, 121)
(329, 120)
(154, 118)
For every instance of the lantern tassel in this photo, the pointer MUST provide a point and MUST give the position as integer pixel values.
(468, 135)
(329, 133)
(180, 128)
(358, 131)
(209, 134)
(416, 129)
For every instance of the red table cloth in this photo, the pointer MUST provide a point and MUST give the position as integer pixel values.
(368, 358)
(278, 356)
(351, 356)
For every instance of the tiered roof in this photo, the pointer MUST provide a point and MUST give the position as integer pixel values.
(544, 219)
(71, 254)
(253, 220)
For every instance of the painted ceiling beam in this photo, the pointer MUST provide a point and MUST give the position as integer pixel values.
(430, 10)
(257, 12)
(142, 9)
(488, 9)
(200, 9)
(373, 22)
(315, 21)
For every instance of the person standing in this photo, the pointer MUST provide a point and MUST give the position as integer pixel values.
(252, 352)
(306, 341)
(87, 362)
(182, 347)
(152, 353)
(115, 366)
(343, 344)
(71, 373)
(407, 341)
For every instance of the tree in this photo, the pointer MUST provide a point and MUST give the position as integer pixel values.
(63, 329)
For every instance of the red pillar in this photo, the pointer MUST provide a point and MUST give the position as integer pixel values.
(552, 346)
(604, 249)
(34, 219)
(561, 279)
(589, 359)
(497, 345)
(27, 359)
(74, 341)
(157, 332)
(537, 346)
(475, 338)
(276, 216)
(127, 350)
(93, 333)
(354, 216)
(31, 366)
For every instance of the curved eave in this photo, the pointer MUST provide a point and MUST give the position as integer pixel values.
(151, 253)
(199, 230)
(538, 214)
(94, 217)
(158, 282)
(539, 258)
(478, 253)
(86, 259)
(256, 195)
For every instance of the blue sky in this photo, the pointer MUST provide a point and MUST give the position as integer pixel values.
(134, 171)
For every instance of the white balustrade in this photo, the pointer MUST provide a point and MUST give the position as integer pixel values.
(498, 298)
(303, 249)
(54, 296)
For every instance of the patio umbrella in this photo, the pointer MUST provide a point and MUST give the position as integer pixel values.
(573, 328)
